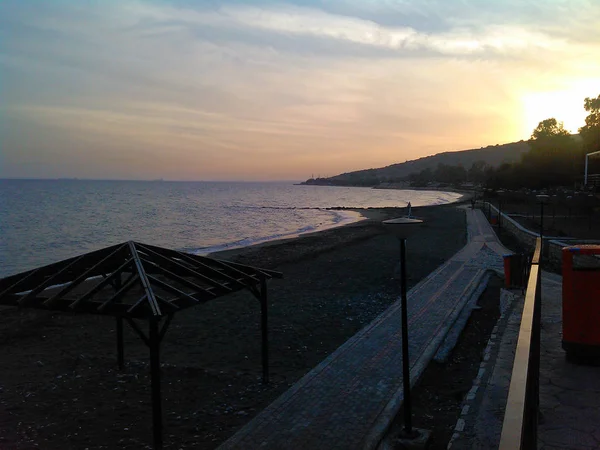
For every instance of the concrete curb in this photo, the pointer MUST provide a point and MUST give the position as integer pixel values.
(454, 333)
(384, 420)
(508, 301)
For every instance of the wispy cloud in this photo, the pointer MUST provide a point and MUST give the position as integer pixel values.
(210, 90)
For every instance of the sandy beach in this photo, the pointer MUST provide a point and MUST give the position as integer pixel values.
(63, 390)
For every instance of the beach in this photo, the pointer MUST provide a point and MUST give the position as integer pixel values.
(63, 389)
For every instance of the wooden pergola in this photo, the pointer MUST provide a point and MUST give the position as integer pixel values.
(136, 282)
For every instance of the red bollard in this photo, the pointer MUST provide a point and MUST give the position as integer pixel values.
(507, 279)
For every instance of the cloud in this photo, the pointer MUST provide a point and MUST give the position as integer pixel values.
(205, 90)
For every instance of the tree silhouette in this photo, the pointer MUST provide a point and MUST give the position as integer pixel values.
(590, 132)
(549, 129)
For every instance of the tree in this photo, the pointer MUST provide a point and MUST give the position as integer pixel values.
(421, 178)
(548, 129)
(450, 174)
(549, 142)
(590, 132)
(476, 173)
(554, 156)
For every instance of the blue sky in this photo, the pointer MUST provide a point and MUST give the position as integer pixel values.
(233, 90)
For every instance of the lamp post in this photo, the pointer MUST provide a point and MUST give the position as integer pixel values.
(402, 228)
(542, 199)
(570, 206)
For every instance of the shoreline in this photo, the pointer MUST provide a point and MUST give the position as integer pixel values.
(367, 216)
(335, 283)
(271, 254)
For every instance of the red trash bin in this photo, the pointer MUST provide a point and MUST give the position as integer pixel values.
(507, 278)
(581, 301)
(515, 270)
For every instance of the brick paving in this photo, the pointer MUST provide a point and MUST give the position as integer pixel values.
(569, 393)
(349, 399)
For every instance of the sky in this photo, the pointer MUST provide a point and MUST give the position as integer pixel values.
(265, 90)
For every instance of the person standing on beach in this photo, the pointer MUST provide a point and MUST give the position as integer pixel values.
(409, 208)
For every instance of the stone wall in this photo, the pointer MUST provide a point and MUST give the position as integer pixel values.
(553, 245)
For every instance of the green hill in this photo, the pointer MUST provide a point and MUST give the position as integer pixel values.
(493, 155)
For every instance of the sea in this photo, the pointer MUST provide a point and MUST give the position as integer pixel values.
(44, 221)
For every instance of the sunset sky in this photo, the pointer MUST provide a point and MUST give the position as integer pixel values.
(258, 90)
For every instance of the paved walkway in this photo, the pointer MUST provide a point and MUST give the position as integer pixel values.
(569, 393)
(480, 424)
(348, 400)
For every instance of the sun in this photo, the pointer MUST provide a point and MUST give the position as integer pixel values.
(564, 105)
(560, 105)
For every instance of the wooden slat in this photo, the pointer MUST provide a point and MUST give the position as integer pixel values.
(49, 281)
(190, 278)
(189, 270)
(64, 305)
(247, 276)
(102, 284)
(173, 290)
(37, 276)
(182, 280)
(267, 272)
(13, 287)
(84, 276)
(133, 307)
(167, 303)
(198, 264)
(145, 283)
(120, 293)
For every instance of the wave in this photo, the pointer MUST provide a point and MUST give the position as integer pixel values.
(338, 219)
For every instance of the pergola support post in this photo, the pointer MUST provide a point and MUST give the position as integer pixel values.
(133, 265)
(264, 319)
(120, 346)
(154, 344)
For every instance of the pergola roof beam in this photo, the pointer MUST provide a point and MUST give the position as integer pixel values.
(102, 284)
(145, 283)
(171, 289)
(49, 280)
(39, 274)
(120, 293)
(181, 280)
(84, 276)
(140, 281)
(186, 268)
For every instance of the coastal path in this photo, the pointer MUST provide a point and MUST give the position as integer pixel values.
(350, 398)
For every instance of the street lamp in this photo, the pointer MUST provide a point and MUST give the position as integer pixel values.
(402, 228)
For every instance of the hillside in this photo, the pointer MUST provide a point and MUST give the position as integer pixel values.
(493, 155)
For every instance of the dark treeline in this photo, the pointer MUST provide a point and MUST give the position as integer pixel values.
(555, 158)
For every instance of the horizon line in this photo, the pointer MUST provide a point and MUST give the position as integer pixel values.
(153, 180)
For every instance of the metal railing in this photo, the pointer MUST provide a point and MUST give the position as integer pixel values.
(519, 429)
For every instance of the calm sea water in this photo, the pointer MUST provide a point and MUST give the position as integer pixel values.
(43, 221)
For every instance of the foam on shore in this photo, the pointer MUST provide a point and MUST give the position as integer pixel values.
(340, 218)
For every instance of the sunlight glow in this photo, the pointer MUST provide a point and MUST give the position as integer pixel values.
(565, 106)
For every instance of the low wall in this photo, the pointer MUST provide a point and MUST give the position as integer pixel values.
(552, 250)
